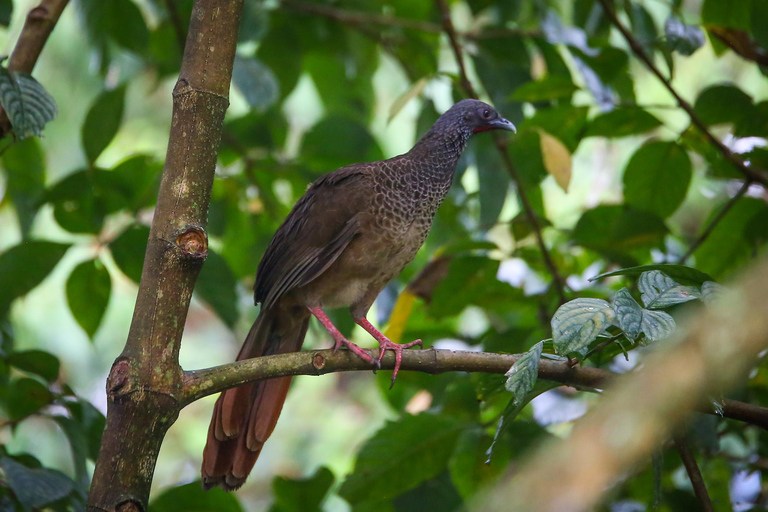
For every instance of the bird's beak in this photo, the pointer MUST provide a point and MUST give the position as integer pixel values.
(503, 124)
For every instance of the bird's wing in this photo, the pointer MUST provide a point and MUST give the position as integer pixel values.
(315, 233)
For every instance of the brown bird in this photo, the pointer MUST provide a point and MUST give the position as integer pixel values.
(352, 231)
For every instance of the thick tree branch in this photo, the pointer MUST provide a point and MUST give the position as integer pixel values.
(469, 90)
(37, 27)
(145, 382)
(694, 473)
(758, 175)
(200, 383)
(711, 353)
(715, 221)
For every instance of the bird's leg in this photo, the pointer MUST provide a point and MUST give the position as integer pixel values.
(387, 344)
(338, 338)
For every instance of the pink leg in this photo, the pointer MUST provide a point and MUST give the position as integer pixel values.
(338, 338)
(385, 344)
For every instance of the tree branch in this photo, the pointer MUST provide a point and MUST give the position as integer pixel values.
(145, 382)
(466, 84)
(715, 221)
(200, 383)
(710, 354)
(694, 473)
(37, 27)
(758, 175)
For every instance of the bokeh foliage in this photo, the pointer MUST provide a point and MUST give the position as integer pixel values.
(558, 70)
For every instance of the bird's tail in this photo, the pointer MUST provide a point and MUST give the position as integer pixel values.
(244, 417)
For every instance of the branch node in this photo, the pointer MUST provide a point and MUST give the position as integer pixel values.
(119, 378)
(318, 361)
(129, 506)
(193, 242)
(39, 13)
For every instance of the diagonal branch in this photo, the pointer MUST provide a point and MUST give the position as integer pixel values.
(694, 473)
(37, 27)
(466, 84)
(754, 174)
(715, 221)
(201, 383)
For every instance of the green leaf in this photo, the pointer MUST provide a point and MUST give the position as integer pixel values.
(24, 165)
(337, 141)
(78, 442)
(633, 319)
(88, 290)
(102, 122)
(435, 494)
(82, 200)
(34, 488)
(38, 362)
(578, 322)
(494, 181)
(682, 38)
(128, 251)
(92, 422)
(551, 87)
(26, 396)
(422, 443)
(24, 266)
(116, 21)
(622, 122)
(192, 498)
(659, 291)
(413, 92)
(27, 103)
(679, 272)
(523, 374)
(471, 469)
(6, 10)
(139, 176)
(217, 286)
(280, 50)
(616, 230)
(256, 82)
(657, 177)
(301, 495)
(726, 14)
(720, 104)
(734, 239)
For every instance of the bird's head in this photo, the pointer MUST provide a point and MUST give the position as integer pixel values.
(475, 116)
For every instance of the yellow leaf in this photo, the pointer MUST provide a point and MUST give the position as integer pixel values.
(399, 318)
(407, 96)
(557, 159)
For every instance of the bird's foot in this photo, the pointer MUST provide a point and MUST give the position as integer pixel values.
(387, 344)
(339, 338)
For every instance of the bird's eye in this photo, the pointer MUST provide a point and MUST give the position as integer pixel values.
(486, 114)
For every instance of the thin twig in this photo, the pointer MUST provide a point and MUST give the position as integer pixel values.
(469, 90)
(694, 473)
(38, 26)
(602, 345)
(715, 221)
(757, 175)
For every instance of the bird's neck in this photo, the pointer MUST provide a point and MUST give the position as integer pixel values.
(441, 147)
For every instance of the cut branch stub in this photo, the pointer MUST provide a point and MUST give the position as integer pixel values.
(193, 242)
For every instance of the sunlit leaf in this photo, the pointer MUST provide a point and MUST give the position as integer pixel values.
(551, 87)
(413, 91)
(578, 322)
(557, 159)
(192, 498)
(659, 291)
(28, 105)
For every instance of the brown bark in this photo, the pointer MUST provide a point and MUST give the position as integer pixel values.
(145, 382)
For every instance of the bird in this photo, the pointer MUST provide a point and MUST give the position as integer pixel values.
(352, 231)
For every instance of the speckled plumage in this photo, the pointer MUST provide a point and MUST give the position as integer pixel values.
(344, 240)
